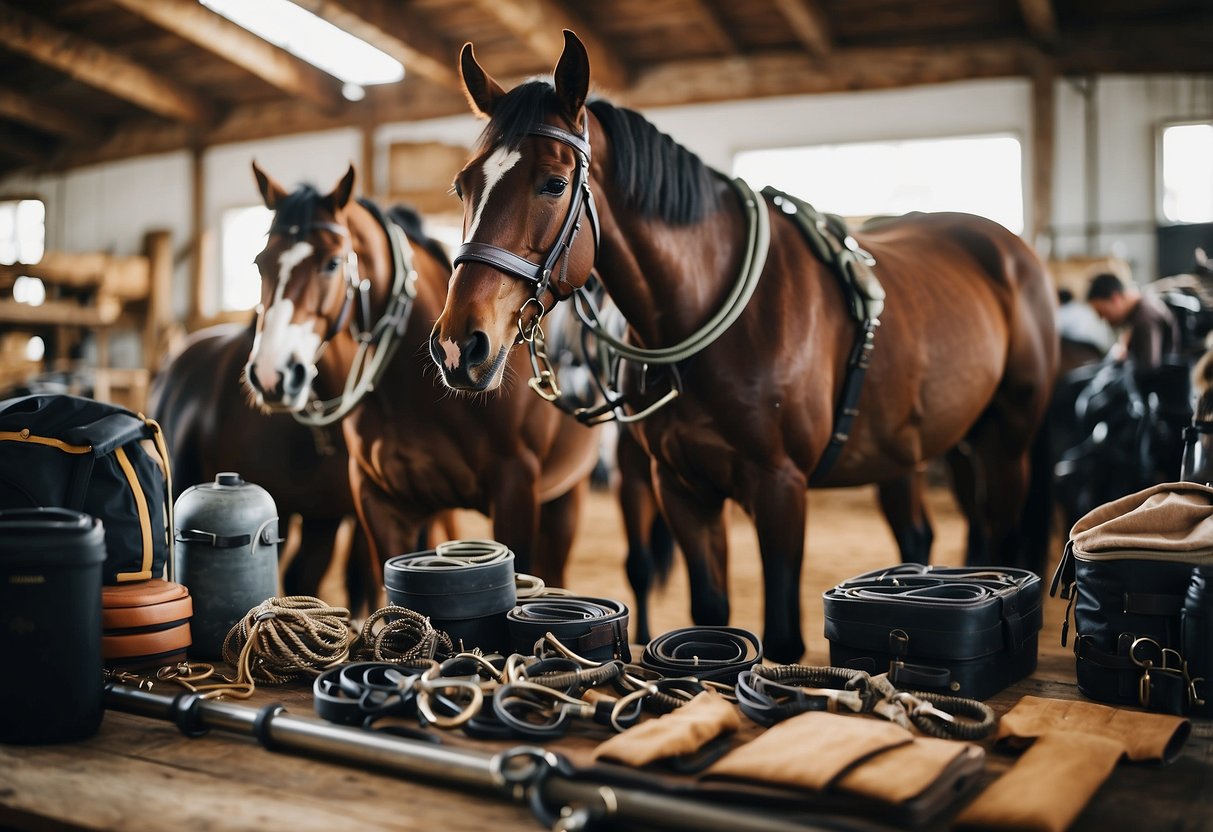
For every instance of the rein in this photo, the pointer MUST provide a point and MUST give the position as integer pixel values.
(384, 335)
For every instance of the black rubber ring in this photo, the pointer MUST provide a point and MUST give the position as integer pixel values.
(187, 716)
(261, 725)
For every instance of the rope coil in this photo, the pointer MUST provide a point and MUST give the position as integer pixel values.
(284, 638)
(402, 636)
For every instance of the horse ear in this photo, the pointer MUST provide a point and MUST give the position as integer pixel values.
(573, 77)
(271, 192)
(481, 90)
(340, 195)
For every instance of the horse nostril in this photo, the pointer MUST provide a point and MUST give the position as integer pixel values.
(476, 349)
(294, 379)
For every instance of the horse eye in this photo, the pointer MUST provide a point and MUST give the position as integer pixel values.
(555, 186)
(333, 264)
(456, 190)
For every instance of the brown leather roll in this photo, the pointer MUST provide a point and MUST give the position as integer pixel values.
(145, 623)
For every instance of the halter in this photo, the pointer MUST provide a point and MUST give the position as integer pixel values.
(540, 274)
(384, 334)
(612, 349)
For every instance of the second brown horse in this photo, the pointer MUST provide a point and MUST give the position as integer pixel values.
(331, 278)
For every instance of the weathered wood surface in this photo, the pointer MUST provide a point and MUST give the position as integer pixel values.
(141, 774)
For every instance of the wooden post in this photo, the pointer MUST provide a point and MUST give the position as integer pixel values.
(366, 170)
(157, 247)
(1044, 101)
(198, 236)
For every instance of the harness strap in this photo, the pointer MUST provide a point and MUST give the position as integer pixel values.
(827, 236)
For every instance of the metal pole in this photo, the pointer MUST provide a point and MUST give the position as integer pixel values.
(582, 801)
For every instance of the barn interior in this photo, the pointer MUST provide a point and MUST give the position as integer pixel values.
(130, 217)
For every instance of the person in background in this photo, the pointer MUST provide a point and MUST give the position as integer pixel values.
(1149, 330)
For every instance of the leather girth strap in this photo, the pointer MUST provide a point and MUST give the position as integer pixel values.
(827, 236)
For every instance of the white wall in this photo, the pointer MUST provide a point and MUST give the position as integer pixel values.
(109, 207)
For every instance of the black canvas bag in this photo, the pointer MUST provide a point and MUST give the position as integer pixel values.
(1127, 571)
(956, 630)
(85, 455)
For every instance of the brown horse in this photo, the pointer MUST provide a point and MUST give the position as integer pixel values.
(967, 348)
(211, 426)
(348, 299)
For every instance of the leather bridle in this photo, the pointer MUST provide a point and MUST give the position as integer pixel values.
(540, 274)
(383, 334)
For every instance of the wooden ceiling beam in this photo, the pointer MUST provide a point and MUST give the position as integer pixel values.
(1139, 49)
(99, 67)
(710, 21)
(25, 147)
(189, 20)
(809, 23)
(1040, 18)
(538, 24)
(20, 107)
(391, 27)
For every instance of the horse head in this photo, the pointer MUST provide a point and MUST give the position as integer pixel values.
(526, 205)
(314, 285)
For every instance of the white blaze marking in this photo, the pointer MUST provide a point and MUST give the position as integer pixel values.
(494, 167)
(451, 350)
(280, 341)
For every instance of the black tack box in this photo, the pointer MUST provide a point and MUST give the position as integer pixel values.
(957, 630)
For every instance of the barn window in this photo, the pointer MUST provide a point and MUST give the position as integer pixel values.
(22, 230)
(244, 231)
(978, 174)
(1187, 173)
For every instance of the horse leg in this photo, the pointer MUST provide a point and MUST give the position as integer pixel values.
(1001, 465)
(307, 569)
(698, 524)
(557, 526)
(363, 574)
(388, 528)
(779, 511)
(904, 509)
(515, 511)
(650, 554)
(968, 487)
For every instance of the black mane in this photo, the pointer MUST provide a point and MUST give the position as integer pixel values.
(657, 176)
(297, 209)
(295, 212)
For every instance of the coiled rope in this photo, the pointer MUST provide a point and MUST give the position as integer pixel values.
(284, 638)
(403, 636)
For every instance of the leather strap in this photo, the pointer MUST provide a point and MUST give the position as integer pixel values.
(595, 628)
(717, 654)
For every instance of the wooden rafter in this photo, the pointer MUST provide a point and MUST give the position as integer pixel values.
(190, 21)
(389, 26)
(538, 24)
(23, 148)
(1137, 49)
(1040, 19)
(99, 67)
(809, 23)
(19, 107)
(709, 19)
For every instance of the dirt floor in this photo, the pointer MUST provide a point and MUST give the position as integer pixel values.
(846, 536)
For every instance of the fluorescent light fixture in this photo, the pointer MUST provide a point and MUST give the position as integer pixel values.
(313, 39)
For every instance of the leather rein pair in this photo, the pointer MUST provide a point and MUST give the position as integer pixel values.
(611, 349)
(383, 335)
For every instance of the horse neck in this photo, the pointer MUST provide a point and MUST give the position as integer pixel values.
(666, 279)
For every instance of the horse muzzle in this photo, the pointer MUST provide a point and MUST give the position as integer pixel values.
(283, 388)
(469, 364)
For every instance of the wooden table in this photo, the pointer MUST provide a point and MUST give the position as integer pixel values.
(141, 774)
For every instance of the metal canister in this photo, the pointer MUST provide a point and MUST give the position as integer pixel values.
(227, 554)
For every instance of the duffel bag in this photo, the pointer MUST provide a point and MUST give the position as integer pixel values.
(85, 455)
(1128, 570)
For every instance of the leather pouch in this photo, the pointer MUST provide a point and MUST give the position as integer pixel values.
(683, 731)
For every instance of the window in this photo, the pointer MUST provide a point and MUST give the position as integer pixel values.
(977, 174)
(244, 231)
(22, 231)
(1187, 173)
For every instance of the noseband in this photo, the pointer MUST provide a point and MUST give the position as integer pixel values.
(540, 274)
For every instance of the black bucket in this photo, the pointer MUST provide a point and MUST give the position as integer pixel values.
(50, 615)
(466, 598)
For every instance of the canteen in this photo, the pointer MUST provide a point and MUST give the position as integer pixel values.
(227, 540)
